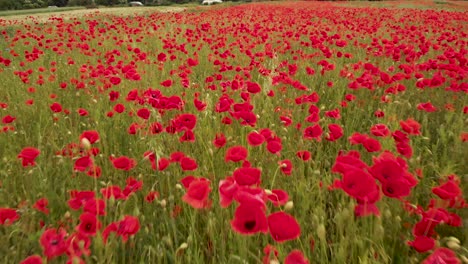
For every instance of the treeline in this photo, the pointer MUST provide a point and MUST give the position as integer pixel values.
(29, 4)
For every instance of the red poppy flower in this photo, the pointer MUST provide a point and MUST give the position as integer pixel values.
(28, 156)
(56, 107)
(91, 135)
(255, 139)
(188, 164)
(123, 163)
(112, 191)
(144, 113)
(400, 136)
(295, 257)
(286, 166)
(220, 140)
(358, 184)
(357, 138)
(41, 205)
(82, 112)
(285, 120)
(278, 197)
(96, 206)
(119, 108)
(192, 62)
(197, 194)
(227, 189)
(336, 132)
(185, 122)
(313, 132)
(166, 83)
(442, 256)
(188, 136)
(422, 243)
(236, 154)
(303, 155)
(82, 164)
(253, 87)
(151, 196)
(274, 145)
(427, 107)
(380, 130)
(8, 119)
(128, 226)
(79, 198)
(132, 186)
(8, 216)
(396, 188)
(447, 191)
(271, 254)
(34, 259)
(371, 145)
(78, 244)
(251, 195)
(247, 176)
(411, 126)
(347, 161)
(115, 80)
(283, 227)
(53, 242)
(249, 219)
(89, 224)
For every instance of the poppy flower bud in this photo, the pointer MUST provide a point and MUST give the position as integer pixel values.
(464, 259)
(289, 206)
(387, 213)
(163, 203)
(183, 246)
(453, 243)
(179, 186)
(268, 192)
(85, 143)
(167, 240)
(321, 232)
(274, 261)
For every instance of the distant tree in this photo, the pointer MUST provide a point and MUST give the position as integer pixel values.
(57, 2)
(111, 2)
(79, 2)
(11, 4)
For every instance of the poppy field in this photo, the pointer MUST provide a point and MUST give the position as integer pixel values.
(285, 132)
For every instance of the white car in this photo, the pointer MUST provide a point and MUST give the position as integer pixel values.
(136, 3)
(209, 2)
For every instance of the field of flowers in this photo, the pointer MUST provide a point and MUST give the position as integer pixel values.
(300, 132)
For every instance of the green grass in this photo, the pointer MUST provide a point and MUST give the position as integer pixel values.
(6, 13)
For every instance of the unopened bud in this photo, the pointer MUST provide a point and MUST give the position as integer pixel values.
(321, 232)
(289, 206)
(453, 244)
(183, 246)
(163, 203)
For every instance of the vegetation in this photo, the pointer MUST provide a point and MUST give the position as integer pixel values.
(291, 132)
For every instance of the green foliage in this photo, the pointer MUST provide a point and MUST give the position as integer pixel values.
(111, 2)
(10, 5)
(80, 2)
